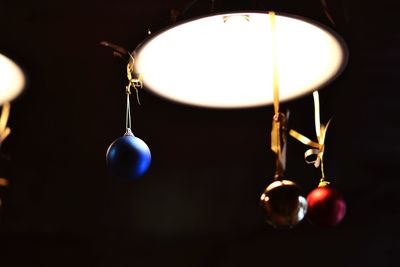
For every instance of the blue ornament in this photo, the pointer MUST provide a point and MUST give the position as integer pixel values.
(128, 157)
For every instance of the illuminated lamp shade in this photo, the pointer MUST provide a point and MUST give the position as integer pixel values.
(12, 79)
(225, 61)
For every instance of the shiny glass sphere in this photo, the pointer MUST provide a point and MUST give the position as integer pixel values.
(283, 204)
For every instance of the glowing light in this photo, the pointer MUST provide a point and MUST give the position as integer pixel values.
(224, 61)
(12, 79)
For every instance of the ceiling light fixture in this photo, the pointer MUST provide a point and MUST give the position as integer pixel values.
(12, 79)
(224, 61)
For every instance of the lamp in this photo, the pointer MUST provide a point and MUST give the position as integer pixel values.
(224, 60)
(12, 79)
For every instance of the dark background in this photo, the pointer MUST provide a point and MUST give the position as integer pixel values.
(198, 205)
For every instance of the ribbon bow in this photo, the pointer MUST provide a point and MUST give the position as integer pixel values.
(317, 148)
(278, 142)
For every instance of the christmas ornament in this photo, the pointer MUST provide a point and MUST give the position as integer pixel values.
(326, 206)
(128, 156)
(282, 202)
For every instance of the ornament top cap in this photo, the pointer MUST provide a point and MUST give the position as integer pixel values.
(128, 132)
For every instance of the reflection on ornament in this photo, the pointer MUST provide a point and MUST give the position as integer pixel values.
(128, 157)
(283, 204)
(326, 206)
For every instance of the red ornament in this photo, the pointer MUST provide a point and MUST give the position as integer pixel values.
(326, 206)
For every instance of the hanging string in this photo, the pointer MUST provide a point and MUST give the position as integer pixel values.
(317, 148)
(274, 63)
(278, 133)
(4, 130)
(321, 139)
(4, 133)
(128, 121)
(134, 79)
(137, 84)
(317, 119)
(327, 13)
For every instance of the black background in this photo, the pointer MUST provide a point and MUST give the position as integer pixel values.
(198, 203)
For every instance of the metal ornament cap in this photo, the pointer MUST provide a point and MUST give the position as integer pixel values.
(128, 157)
(283, 204)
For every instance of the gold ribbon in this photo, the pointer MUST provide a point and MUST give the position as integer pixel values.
(4, 130)
(317, 148)
(278, 142)
(135, 80)
(278, 132)
(274, 63)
